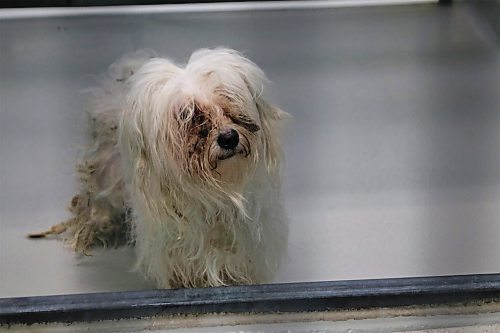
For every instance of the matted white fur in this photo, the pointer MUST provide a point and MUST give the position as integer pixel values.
(201, 211)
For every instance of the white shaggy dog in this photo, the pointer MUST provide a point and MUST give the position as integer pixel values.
(186, 161)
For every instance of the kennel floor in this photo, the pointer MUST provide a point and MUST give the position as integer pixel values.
(392, 157)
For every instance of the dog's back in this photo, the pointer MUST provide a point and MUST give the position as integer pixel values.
(100, 210)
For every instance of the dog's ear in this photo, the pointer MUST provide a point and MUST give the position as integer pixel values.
(143, 120)
(272, 122)
(272, 118)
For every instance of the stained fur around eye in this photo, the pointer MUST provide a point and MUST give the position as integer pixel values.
(230, 109)
(183, 115)
(198, 116)
(203, 133)
(199, 128)
(201, 125)
(245, 122)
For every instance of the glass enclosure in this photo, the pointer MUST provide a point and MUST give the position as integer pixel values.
(391, 160)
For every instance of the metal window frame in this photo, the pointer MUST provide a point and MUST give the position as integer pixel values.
(289, 297)
(102, 3)
(99, 3)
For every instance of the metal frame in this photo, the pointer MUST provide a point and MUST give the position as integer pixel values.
(101, 3)
(292, 297)
(220, 6)
(86, 3)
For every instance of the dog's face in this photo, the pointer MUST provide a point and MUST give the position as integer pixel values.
(205, 123)
(215, 137)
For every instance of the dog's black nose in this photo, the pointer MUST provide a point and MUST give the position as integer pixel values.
(228, 138)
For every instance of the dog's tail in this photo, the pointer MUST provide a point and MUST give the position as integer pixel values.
(54, 230)
(129, 64)
(106, 100)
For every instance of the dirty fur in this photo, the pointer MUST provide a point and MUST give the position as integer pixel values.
(156, 175)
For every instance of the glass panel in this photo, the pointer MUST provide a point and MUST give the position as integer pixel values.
(391, 159)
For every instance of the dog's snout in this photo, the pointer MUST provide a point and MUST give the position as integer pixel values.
(228, 138)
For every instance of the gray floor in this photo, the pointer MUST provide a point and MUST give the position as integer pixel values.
(392, 159)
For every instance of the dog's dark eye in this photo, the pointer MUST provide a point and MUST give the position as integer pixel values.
(245, 121)
(204, 132)
(198, 116)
